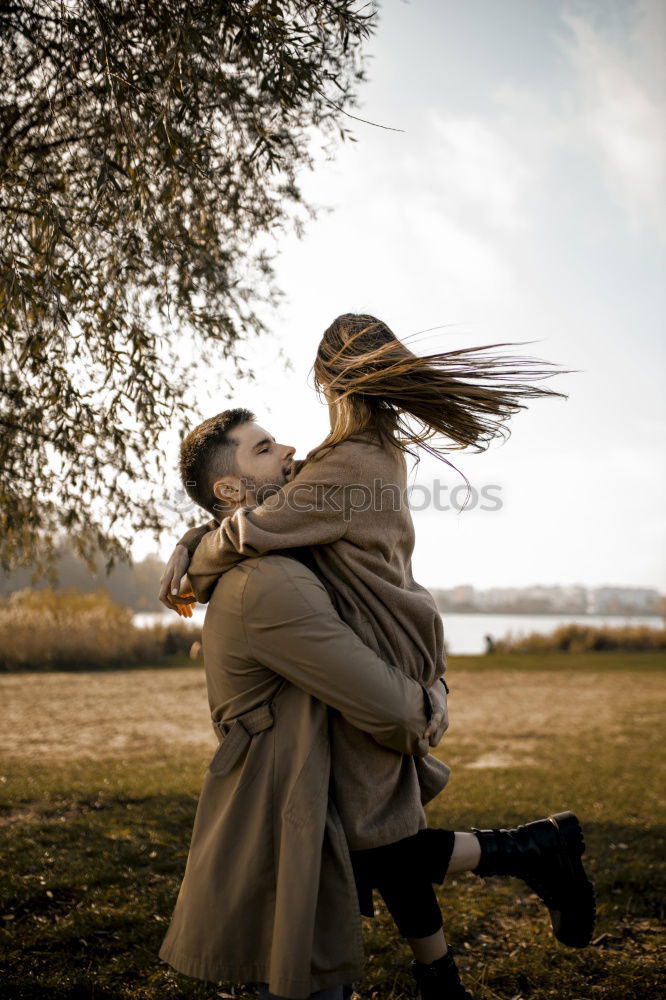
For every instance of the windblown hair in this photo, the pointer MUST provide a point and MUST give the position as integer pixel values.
(209, 452)
(373, 382)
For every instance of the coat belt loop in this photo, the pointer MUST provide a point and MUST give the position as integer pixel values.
(235, 739)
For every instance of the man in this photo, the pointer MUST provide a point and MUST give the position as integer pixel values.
(268, 894)
(546, 853)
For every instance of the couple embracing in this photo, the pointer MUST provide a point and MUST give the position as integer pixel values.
(325, 666)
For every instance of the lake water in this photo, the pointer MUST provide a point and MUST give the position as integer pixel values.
(464, 633)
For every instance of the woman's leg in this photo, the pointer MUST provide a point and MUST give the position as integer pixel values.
(404, 873)
(411, 901)
(414, 907)
(428, 949)
(332, 993)
(466, 853)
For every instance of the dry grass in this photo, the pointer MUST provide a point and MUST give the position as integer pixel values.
(577, 638)
(77, 716)
(500, 712)
(68, 630)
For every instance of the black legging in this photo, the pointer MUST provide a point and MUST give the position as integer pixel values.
(404, 873)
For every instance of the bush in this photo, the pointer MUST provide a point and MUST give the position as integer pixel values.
(586, 638)
(70, 630)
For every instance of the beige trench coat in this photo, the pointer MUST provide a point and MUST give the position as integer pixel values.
(350, 507)
(268, 893)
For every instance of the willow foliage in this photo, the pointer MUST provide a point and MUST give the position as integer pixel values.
(145, 148)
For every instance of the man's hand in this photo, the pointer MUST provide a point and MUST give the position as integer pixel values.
(439, 722)
(171, 580)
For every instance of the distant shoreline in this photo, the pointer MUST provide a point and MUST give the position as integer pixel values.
(467, 631)
(557, 614)
(531, 614)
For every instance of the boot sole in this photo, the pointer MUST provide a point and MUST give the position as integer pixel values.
(576, 933)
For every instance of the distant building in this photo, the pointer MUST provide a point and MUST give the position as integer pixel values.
(463, 595)
(497, 597)
(623, 600)
(572, 599)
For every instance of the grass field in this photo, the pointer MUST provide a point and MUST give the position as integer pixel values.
(99, 782)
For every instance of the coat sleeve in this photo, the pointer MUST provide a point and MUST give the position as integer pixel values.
(313, 509)
(293, 629)
(192, 537)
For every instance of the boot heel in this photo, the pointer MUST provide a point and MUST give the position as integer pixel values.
(570, 831)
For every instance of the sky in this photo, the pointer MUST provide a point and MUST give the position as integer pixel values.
(523, 200)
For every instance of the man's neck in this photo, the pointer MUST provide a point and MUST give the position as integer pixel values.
(230, 509)
(224, 510)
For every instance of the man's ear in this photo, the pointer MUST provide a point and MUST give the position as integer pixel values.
(228, 489)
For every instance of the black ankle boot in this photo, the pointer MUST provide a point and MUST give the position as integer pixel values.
(546, 854)
(440, 979)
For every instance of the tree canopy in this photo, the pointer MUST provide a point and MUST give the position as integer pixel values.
(145, 149)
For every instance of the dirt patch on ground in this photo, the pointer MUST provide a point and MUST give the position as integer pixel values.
(91, 714)
(502, 714)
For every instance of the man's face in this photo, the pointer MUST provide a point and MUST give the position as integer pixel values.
(262, 465)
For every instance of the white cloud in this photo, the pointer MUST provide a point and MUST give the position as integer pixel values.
(621, 110)
(479, 171)
(503, 172)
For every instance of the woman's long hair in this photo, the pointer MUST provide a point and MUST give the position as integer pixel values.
(373, 382)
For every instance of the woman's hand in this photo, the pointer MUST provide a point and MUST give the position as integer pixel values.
(171, 582)
(185, 600)
(439, 722)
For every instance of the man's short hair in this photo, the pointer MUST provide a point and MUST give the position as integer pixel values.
(209, 452)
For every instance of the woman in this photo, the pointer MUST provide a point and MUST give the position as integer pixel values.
(348, 503)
